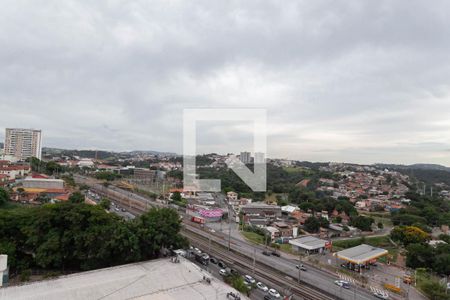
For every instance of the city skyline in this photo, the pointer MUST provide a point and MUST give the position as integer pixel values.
(349, 82)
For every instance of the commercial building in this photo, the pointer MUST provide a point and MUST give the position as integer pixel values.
(22, 143)
(157, 279)
(42, 183)
(361, 255)
(257, 211)
(309, 244)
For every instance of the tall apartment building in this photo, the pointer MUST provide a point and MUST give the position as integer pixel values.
(260, 158)
(23, 143)
(245, 157)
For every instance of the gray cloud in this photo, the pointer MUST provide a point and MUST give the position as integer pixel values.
(341, 80)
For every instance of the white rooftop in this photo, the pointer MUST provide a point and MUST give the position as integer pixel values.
(156, 280)
(308, 242)
(289, 208)
(361, 254)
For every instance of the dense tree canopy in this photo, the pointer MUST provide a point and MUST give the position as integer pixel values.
(362, 223)
(409, 235)
(69, 236)
(4, 196)
(76, 197)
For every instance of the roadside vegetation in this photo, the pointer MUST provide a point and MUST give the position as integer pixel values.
(74, 236)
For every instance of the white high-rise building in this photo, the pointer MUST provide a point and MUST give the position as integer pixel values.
(245, 157)
(260, 158)
(23, 143)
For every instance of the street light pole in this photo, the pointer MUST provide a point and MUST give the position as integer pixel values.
(254, 261)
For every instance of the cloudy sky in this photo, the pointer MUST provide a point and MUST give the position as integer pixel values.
(356, 81)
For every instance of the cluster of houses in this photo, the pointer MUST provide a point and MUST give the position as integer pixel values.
(283, 223)
(367, 187)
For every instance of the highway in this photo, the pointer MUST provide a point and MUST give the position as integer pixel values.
(311, 280)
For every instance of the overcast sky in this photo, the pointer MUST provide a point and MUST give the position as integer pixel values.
(355, 81)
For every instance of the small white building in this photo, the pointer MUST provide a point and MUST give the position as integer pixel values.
(3, 269)
(308, 244)
(85, 162)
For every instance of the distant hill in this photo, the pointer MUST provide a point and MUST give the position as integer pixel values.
(428, 173)
(100, 154)
(151, 152)
(414, 167)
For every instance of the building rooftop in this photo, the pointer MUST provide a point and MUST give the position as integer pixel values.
(157, 280)
(308, 243)
(3, 262)
(361, 254)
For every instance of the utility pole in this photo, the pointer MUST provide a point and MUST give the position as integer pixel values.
(254, 260)
(209, 244)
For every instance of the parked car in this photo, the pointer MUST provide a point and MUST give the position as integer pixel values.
(266, 253)
(262, 286)
(213, 260)
(267, 297)
(249, 279)
(233, 296)
(274, 293)
(301, 267)
(221, 264)
(380, 295)
(234, 272)
(275, 253)
(223, 272)
(342, 283)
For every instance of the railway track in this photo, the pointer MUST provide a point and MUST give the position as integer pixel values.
(218, 249)
(243, 262)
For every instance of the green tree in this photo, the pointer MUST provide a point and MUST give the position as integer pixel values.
(4, 196)
(419, 256)
(157, 229)
(363, 223)
(76, 197)
(409, 235)
(176, 196)
(105, 203)
(43, 198)
(312, 225)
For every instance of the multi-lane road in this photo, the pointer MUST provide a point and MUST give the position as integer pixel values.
(314, 277)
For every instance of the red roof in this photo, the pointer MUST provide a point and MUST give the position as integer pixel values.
(36, 175)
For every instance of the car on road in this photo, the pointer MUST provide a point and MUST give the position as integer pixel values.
(213, 260)
(267, 253)
(274, 293)
(221, 264)
(380, 295)
(262, 286)
(342, 283)
(223, 272)
(249, 279)
(301, 267)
